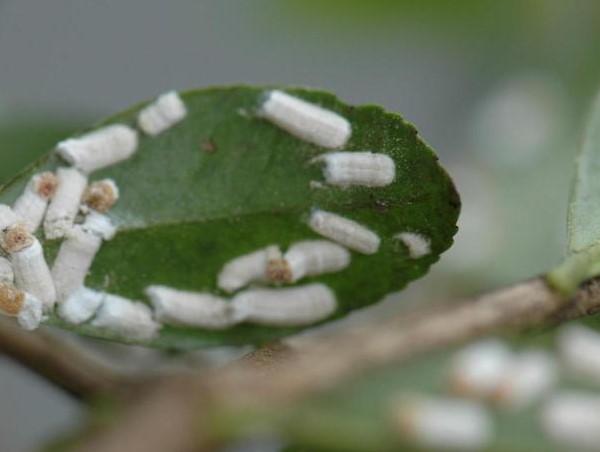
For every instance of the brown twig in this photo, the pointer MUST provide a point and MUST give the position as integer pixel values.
(58, 362)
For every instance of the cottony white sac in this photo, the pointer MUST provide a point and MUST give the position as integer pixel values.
(74, 260)
(295, 306)
(101, 195)
(162, 114)
(65, 204)
(32, 204)
(7, 217)
(26, 308)
(99, 149)
(6, 271)
(579, 351)
(478, 369)
(248, 268)
(573, 419)
(418, 245)
(81, 305)
(344, 231)
(177, 307)
(29, 265)
(128, 319)
(531, 376)
(367, 169)
(315, 257)
(442, 423)
(304, 120)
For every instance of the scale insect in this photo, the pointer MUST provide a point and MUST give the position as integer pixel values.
(99, 149)
(313, 258)
(417, 244)
(29, 265)
(65, 204)
(367, 169)
(178, 307)
(77, 252)
(478, 369)
(247, 268)
(572, 418)
(162, 114)
(296, 306)
(31, 206)
(344, 231)
(16, 303)
(304, 120)
(579, 351)
(81, 305)
(442, 423)
(131, 320)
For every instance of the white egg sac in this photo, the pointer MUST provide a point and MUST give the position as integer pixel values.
(127, 319)
(346, 232)
(479, 368)
(531, 376)
(99, 149)
(31, 206)
(65, 204)
(367, 169)
(443, 423)
(315, 257)
(31, 314)
(579, 351)
(177, 307)
(162, 114)
(32, 274)
(8, 217)
(572, 419)
(297, 306)
(26, 308)
(247, 268)
(100, 225)
(6, 271)
(305, 121)
(74, 260)
(417, 244)
(81, 305)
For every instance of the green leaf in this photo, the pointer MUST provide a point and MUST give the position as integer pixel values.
(224, 182)
(583, 221)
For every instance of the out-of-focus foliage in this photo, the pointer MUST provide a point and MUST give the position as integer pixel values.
(23, 140)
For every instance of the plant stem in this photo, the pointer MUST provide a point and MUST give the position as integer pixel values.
(61, 364)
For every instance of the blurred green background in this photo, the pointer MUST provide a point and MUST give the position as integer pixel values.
(499, 89)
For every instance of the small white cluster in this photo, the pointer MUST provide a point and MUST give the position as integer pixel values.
(579, 351)
(304, 120)
(573, 419)
(367, 169)
(248, 268)
(162, 114)
(489, 370)
(442, 423)
(417, 244)
(81, 305)
(344, 231)
(295, 306)
(100, 148)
